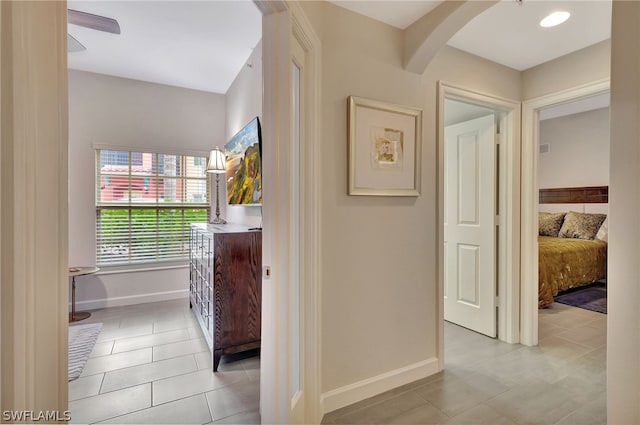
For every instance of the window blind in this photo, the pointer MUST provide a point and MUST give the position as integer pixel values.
(145, 203)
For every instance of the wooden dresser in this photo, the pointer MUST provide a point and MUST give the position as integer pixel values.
(225, 291)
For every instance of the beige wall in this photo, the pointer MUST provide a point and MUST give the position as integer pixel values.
(623, 338)
(139, 115)
(575, 69)
(379, 253)
(579, 150)
(243, 103)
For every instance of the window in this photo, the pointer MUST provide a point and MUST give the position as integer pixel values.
(145, 203)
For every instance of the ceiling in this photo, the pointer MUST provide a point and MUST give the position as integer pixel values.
(203, 45)
(199, 45)
(508, 32)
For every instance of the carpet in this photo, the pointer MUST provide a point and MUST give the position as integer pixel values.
(592, 298)
(82, 338)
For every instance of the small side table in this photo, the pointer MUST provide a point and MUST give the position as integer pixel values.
(73, 272)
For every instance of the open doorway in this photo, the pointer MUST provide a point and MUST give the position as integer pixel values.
(500, 300)
(531, 146)
(573, 183)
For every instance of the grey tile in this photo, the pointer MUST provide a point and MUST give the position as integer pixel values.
(534, 403)
(145, 317)
(85, 387)
(102, 349)
(107, 324)
(383, 411)
(480, 415)
(148, 372)
(482, 348)
(523, 365)
(600, 324)
(597, 358)
(119, 333)
(195, 332)
(105, 406)
(333, 415)
(593, 413)
(547, 329)
(191, 410)
(242, 418)
(150, 340)
(116, 361)
(585, 335)
(557, 348)
(178, 349)
(568, 318)
(137, 321)
(204, 360)
(252, 367)
(233, 399)
(193, 383)
(453, 396)
(232, 362)
(489, 382)
(185, 323)
(425, 414)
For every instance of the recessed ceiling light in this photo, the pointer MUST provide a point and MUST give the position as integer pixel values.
(555, 18)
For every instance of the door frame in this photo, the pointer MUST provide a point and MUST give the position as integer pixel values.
(282, 21)
(508, 240)
(33, 211)
(529, 250)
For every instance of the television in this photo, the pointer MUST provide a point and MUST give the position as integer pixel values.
(244, 169)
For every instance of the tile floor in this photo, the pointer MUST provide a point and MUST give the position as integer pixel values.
(151, 365)
(562, 381)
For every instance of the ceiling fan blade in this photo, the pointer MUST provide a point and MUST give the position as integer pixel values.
(96, 22)
(74, 45)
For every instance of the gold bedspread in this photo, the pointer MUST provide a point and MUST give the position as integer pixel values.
(565, 263)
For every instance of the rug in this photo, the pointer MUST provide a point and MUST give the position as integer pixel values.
(82, 338)
(592, 298)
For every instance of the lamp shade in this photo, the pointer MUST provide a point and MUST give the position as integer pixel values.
(217, 162)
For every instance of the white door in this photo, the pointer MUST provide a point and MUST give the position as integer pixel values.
(469, 225)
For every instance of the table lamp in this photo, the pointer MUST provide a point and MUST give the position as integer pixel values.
(218, 165)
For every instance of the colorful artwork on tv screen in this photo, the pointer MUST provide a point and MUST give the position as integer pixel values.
(244, 173)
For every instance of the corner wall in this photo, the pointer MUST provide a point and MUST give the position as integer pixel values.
(133, 114)
(379, 254)
(623, 320)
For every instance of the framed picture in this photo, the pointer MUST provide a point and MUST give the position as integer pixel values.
(384, 148)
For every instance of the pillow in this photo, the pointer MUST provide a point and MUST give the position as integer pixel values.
(603, 232)
(549, 224)
(581, 225)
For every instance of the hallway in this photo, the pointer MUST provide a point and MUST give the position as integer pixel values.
(562, 381)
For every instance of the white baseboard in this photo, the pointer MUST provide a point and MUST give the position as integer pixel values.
(353, 393)
(131, 299)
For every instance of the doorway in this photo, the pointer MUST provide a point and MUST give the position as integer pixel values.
(506, 115)
(531, 111)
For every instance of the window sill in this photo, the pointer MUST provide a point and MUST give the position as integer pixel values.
(105, 270)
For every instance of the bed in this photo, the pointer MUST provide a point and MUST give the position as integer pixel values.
(572, 241)
(565, 263)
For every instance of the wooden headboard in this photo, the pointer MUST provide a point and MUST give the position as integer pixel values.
(575, 195)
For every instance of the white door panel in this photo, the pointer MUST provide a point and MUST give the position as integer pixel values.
(469, 231)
